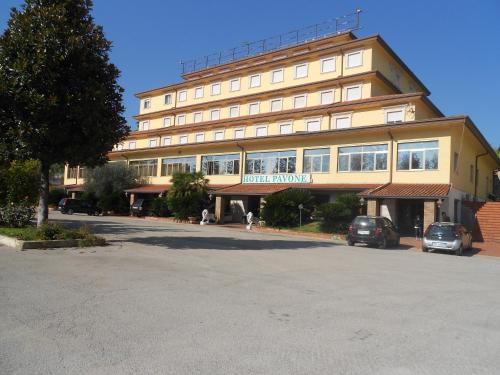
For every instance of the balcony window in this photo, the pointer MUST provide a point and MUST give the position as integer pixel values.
(215, 90)
(234, 111)
(301, 70)
(220, 164)
(253, 108)
(200, 137)
(363, 158)
(261, 131)
(234, 84)
(299, 101)
(313, 125)
(239, 133)
(418, 156)
(394, 115)
(219, 135)
(182, 96)
(167, 99)
(214, 114)
(166, 141)
(198, 92)
(169, 166)
(352, 92)
(271, 162)
(286, 129)
(183, 139)
(153, 143)
(328, 65)
(181, 119)
(277, 76)
(354, 59)
(255, 80)
(132, 145)
(326, 97)
(276, 105)
(198, 117)
(167, 121)
(317, 160)
(146, 103)
(342, 120)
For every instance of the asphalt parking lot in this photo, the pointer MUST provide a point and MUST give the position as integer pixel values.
(185, 299)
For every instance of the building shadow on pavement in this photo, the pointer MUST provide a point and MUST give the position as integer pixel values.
(225, 243)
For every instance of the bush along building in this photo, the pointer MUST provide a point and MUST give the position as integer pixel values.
(336, 114)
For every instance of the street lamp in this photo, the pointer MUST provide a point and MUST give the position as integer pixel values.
(301, 207)
(439, 203)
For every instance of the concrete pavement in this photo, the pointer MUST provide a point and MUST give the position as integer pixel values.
(184, 299)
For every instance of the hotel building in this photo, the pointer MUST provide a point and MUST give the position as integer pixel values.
(334, 115)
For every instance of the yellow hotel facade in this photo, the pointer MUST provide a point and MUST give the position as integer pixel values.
(334, 115)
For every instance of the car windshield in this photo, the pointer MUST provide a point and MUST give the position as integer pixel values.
(365, 221)
(443, 230)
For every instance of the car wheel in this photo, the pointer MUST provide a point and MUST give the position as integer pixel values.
(70, 212)
(350, 243)
(460, 251)
(425, 249)
(383, 244)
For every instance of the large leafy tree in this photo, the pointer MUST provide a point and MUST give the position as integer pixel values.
(59, 97)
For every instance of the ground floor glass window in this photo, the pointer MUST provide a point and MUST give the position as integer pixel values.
(145, 168)
(173, 165)
(363, 158)
(220, 164)
(418, 155)
(271, 162)
(317, 160)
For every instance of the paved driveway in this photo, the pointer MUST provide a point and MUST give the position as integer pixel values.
(181, 299)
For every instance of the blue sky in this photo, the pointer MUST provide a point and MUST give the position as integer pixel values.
(452, 46)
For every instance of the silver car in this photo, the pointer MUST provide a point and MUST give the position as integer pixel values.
(450, 237)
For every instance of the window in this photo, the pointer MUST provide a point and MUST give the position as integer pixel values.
(261, 131)
(276, 105)
(234, 84)
(152, 143)
(299, 101)
(219, 135)
(200, 137)
(198, 117)
(234, 111)
(167, 99)
(147, 103)
(167, 121)
(183, 139)
(255, 80)
(271, 162)
(352, 92)
(362, 158)
(393, 115)
(131, 145)
(145, 125)
(317, 160)
(214, 114)
(220, 164)
(455, 161)
(145, 168)
(354, 59)
(182, 96)
(277, 76)
(313, 125)
(198, 92)
(326, 97)
(181, 119)
(119, 147)
(170, 166)
(301, 70)
(166, 141)
(286, 129)
(239, 133)
(215, 90)
(328, 65)
(418, 155)
(471, 173)
(342, 120)
(72, 172)
(253, 108)
(82, 172)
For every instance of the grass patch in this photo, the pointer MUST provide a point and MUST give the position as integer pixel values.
(54, 231)
(312, 227)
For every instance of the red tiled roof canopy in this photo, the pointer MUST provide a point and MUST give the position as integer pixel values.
(266, 189)
(153, 189)
(74, 188)
(408, 191)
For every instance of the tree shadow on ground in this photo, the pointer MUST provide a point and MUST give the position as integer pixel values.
(226, 243)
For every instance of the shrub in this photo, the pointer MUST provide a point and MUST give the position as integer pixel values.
(188, 195)
(19, 182)
(51, 231)
(16, 215)
(55, 195)
(282, 209)
(159, 207)
(336, 216)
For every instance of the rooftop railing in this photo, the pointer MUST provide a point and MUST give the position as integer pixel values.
(349, 22)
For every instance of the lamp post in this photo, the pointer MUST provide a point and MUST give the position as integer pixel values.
(439, 203)
(301, 207)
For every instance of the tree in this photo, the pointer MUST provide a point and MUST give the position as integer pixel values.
(282, 209)
(19, 183)
(107, 184)
(188, 194)
(60, 100)
(336, 216)
(498, 151)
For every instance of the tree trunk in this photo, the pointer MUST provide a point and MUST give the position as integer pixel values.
(43, 203)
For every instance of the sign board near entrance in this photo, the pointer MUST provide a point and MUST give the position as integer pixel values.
(290, 178)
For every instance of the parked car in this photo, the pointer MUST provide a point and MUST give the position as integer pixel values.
(140, 207)
(373, 230)
(451, 237)
(72, 206)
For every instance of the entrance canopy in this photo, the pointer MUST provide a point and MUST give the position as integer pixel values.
(266, 189)
(408, 191)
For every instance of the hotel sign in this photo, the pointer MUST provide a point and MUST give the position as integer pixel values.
(289, 178)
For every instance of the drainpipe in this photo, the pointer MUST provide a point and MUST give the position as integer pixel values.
(341, 73)
(476, 174)
(392, 157)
